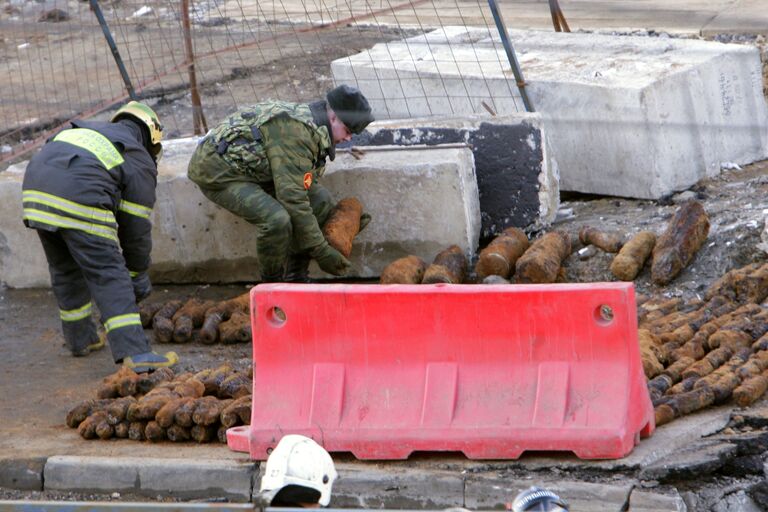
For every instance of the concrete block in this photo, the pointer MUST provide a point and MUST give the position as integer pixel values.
(690, 463)
(626, 116)
(183, 478)
(492, 493)
(421, 201)
(517, 179)
(22, 474)
(22, 262)
(388, 487)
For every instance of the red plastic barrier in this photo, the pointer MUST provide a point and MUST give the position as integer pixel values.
(492, 371)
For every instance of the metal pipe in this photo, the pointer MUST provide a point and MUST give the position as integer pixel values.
(198, 118)
(113, 47)
(510, 54)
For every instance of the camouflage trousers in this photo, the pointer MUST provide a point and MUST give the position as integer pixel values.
(255, 202)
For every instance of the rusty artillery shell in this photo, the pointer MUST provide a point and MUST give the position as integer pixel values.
(189, 317)
(154, 432)
(694, 400)
(608, 242)
(183, 415)
(235, 330)
(754, 286)
(407, 270)
(215, 315)
(449, 266)
(136, 430)
(751, 389)
(237, 413)
(190, 388)
(162, 323)
(221, 434)
(756, 365)
(632, 257)
(500, 256)
(147, 311)
(165, 414)
(204, 433)
(147, 381)
(659, 385)
(87, 427)
(541, 262)
(84, 409)
(177, 433)
(104, 430)
(676, 369)
(117, 410)
(121, 430)
(207, 411)
(664, 414)
(343, 224)
(235, 386)
(682, 239)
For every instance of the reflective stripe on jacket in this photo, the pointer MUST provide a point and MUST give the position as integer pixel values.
(97, 178)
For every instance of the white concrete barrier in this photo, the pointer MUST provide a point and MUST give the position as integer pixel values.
(421, 201)
(626, 116)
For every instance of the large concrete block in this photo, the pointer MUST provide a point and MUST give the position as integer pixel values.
(421, 201)
(183, 478)
(517, 180)
(626, 116)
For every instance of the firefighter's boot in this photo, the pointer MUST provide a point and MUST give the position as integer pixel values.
(150, 361)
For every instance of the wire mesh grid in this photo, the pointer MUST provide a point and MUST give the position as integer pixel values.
(56, 65)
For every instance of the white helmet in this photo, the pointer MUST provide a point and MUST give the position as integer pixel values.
(299, 461)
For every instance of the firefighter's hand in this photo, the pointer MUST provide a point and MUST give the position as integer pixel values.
(365, 219)
(331, 260)
(141, 286)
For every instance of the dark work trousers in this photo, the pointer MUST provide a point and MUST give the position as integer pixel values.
(85, 266)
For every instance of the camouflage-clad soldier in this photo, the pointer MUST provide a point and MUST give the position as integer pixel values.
(262, 164)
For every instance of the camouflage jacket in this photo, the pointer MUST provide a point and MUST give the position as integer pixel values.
(284, 144)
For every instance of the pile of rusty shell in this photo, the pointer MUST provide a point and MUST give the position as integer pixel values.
(632, 257)
(608, 242)
(209, 332)
(175, 410)
(162, 322)
(541, 262)
(684, 236)
(190, 316)
(407, 270)
(343, 225)
(652, 353)
(751, 389)
(684, 403)
(743, 285)
(449, 266)
(499, 257)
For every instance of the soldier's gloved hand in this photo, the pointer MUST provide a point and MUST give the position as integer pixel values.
(141, 286)
(331, 260)
(365, 219)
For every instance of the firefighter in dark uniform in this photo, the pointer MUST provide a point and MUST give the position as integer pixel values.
(89, 194)
(263, 162)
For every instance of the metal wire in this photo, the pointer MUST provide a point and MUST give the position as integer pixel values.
(245, 51)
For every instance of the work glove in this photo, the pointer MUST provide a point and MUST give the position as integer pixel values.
(365, 219)
(331, 260)
(141, 286)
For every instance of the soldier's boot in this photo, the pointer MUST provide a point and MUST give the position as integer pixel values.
(268, 277)
(297, 268)
(150, 361)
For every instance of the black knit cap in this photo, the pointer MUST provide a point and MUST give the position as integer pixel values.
(351, 107)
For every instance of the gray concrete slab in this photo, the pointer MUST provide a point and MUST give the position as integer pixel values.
(421, 202)
(372, 487)
(704, 457)
(183, 478)
(485, 493)
(24, 474)
(517, 179)
(625, 116)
